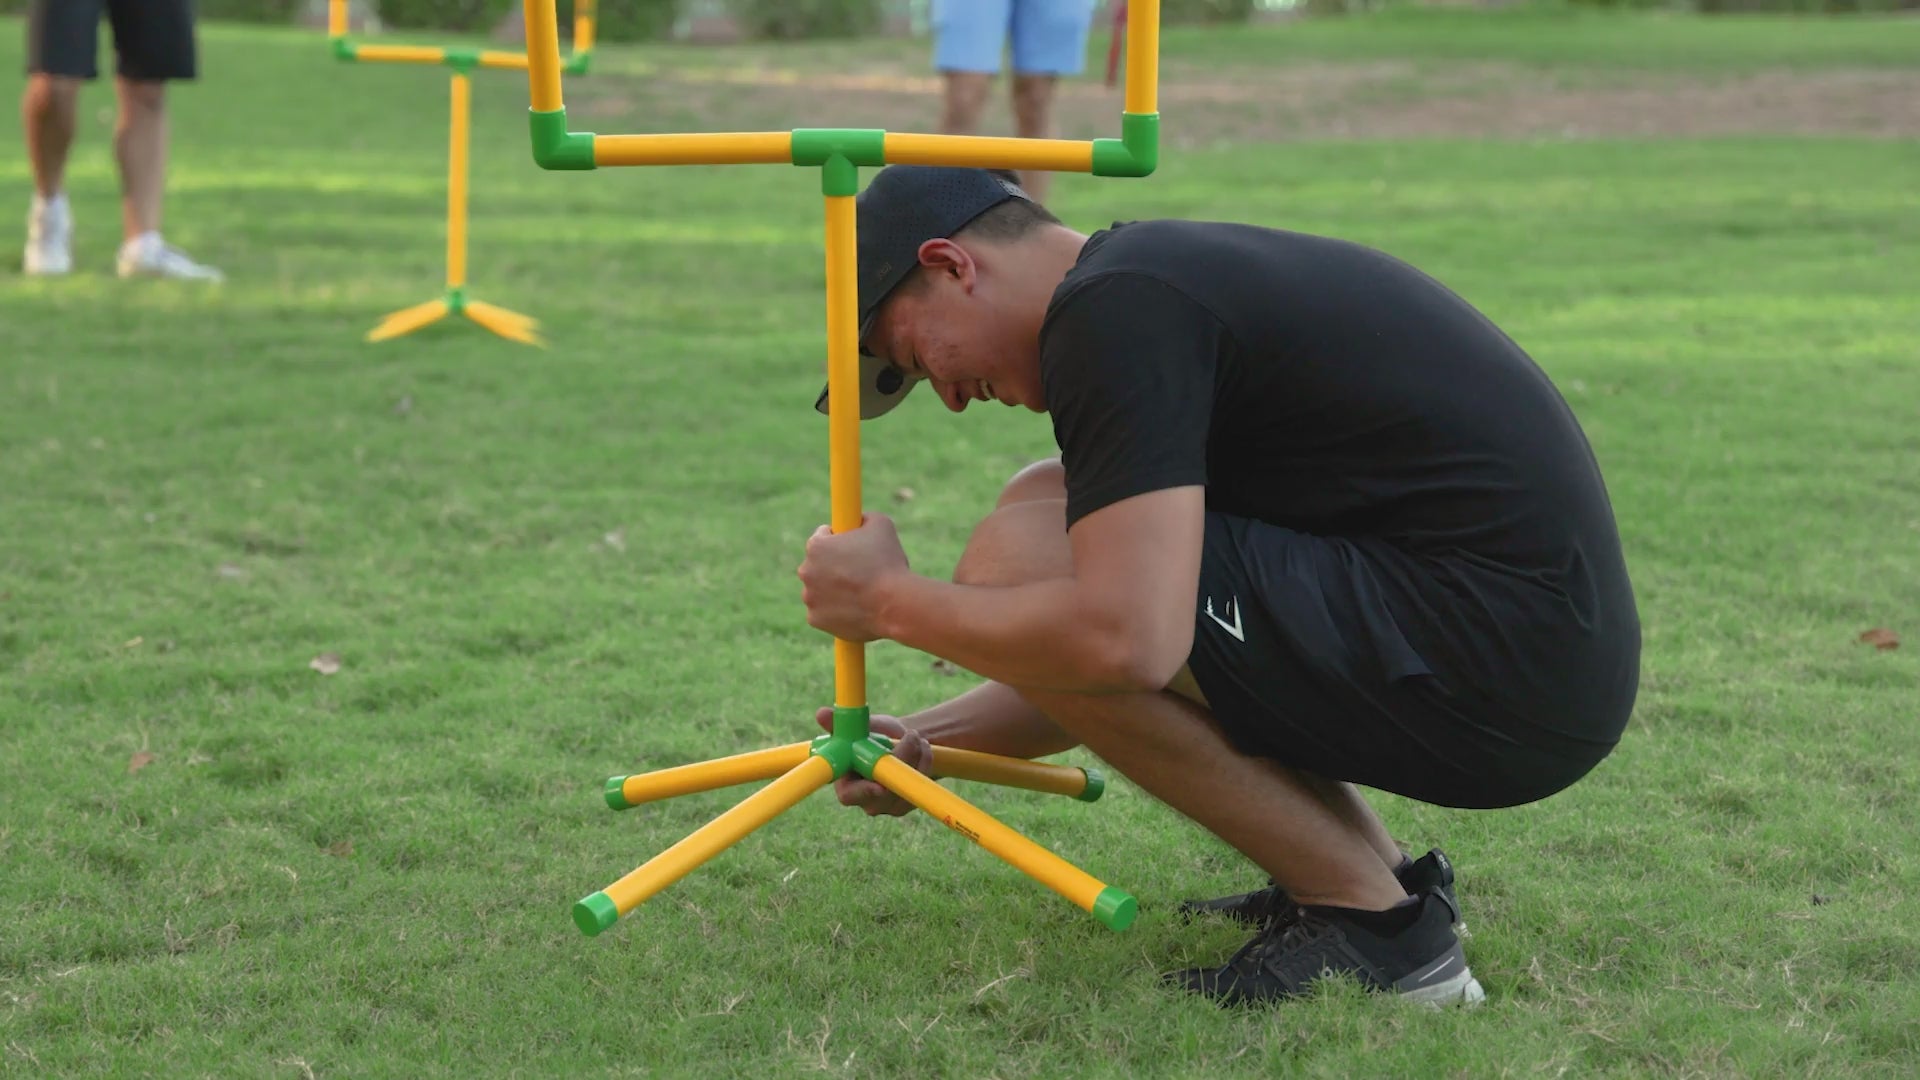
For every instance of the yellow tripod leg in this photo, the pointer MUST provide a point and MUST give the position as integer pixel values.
(1083, 784)
(604, 908)
(407, 320)
(508, 324)
(624, 792)
(1111, 906)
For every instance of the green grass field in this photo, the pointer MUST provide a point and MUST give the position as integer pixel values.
(541, 568)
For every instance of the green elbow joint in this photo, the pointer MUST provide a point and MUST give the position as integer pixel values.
(578, 63)
(554, 147)
(1135, 153)
(343, 49)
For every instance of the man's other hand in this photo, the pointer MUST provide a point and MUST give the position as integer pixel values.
(856, 790)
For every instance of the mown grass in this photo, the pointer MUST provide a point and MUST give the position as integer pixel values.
(539, 568)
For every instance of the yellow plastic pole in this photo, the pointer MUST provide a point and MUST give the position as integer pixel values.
(543, 55)
(1055, 155)
(1008, 771)
(494, 58)
(401, 54)
(707, 775)
(457, 182)
(583, 26)
(1143, 56)
(710, 839)
(843, 421)
(1078, 886)
(337, 18)
(718, 148)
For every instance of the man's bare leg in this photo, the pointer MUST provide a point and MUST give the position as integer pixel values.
(48, 111)
(1033, 119)
(965, 100)
(140, 145)
(1319, 840)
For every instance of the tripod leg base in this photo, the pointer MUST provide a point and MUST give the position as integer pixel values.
(407, 320)
(626, 792)
(1083, 784)
(508, 324)
(704, 843)
(1114, 908)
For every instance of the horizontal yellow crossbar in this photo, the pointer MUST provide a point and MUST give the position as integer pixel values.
(401, 54)
(1055, 155)
(495, 58)
(715, 148)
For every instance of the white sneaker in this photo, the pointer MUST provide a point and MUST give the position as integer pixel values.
(147, 255)
(49, 237)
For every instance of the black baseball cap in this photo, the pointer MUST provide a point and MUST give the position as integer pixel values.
(906, 206)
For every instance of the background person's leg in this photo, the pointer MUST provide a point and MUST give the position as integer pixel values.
(969, 37)
(60, 56)
(1049, 40)
(48, 112)
(140, 147)
(155, 42)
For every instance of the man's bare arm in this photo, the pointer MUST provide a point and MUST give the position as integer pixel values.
(1122, 624)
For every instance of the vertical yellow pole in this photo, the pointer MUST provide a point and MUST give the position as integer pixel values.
(337, 18)
(457, 182)
(843, 420)
(1143, 56)
(583, 26)
(543, 56)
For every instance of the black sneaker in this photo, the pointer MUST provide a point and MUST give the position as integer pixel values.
(1423, 963)
(1262, 907)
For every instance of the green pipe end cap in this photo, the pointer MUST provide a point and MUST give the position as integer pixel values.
(616, 793)
(597, 912)
(1114, 908)
(1096, 786)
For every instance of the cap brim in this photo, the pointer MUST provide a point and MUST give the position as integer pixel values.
(875, 373)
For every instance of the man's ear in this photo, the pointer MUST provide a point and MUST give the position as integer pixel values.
(948, 259)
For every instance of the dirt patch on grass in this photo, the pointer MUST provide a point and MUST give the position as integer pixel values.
(1293, 101)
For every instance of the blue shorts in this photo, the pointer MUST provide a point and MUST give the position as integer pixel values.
(1049, 36)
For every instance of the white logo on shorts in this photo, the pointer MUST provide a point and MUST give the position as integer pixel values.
(1233, 609)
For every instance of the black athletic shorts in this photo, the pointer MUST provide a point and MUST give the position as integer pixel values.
(153, 38)
(1301, 660)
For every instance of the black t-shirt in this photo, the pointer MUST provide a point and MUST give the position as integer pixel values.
(1334, 390)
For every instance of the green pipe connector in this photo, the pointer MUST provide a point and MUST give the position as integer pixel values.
(839, 753)
(850, 722)
(839, 177)
(860, 146)
(554, 147)
(457, 299)
(343, 49)
(867, 754)
(578, 63)
(1135, 153)
(461, 60)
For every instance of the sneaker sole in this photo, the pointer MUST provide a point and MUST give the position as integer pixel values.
(1463, 990)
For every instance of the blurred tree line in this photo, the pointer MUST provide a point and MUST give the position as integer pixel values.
(643, 20)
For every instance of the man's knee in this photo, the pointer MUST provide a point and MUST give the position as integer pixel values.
(56, 93)
(143, 95)
(1042, 480)
(1017, 544)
